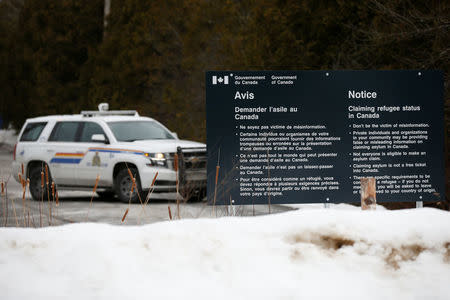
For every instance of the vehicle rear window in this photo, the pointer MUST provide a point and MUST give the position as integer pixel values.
(90, 129)
(32, 132)
(65, 132)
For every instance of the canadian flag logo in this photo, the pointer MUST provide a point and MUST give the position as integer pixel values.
(220, 80)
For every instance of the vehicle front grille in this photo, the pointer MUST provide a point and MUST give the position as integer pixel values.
(194, 160)
(190, 159)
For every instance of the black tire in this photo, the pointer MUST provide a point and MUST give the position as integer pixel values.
(122, 186)
(107, 195)
(35, 184)
(198, 196)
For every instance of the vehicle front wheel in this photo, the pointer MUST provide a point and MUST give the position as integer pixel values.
(123, 184)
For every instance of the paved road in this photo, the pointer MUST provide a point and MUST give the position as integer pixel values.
(74, 206)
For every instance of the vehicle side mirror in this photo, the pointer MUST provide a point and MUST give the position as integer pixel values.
(175, 134)
(98, 138)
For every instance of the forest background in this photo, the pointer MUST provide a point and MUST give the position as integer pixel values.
(64, 56)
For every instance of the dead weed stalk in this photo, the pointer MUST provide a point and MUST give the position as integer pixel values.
(92, 197)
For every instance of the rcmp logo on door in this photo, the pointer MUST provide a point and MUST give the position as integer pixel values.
(96, 161)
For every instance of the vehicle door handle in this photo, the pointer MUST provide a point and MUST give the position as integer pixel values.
(50, 151)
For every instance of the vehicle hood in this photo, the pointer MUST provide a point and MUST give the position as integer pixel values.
(155, 146)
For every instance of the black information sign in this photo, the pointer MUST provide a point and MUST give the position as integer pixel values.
(309, 136)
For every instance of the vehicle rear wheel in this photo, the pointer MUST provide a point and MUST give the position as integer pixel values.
(35, 184)
(123, 184)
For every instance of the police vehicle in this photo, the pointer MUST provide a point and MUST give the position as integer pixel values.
(104, 144)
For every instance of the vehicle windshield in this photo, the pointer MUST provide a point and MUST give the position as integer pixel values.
(130, 131)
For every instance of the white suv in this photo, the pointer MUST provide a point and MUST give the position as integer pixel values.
(78, 148)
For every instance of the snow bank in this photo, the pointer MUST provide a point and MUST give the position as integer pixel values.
(304, 254)
(8, 138)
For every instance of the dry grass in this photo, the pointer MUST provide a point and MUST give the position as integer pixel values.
(326, 242)
(48, 195)
(133, 187)
(51, 187)
(41, 203)
(215, 183)
(170, 212)
(150, 192)
(27, 218)
(447, 252)
(177, 182)
(29, 194)
(125, 214)
(14, 211)
(94, 190)
(402, 254)
(393, 256)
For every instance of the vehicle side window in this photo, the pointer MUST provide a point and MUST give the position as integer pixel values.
(65, 132)
(89, 129)
(32, 132)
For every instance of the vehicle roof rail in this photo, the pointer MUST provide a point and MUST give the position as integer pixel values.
(93, 113)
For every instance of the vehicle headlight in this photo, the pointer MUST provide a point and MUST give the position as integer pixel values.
(157, 159)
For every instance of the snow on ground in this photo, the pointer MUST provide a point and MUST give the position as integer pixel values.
(8, 138)
(303, 254)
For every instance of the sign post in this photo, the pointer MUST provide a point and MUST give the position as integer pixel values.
(368, 194)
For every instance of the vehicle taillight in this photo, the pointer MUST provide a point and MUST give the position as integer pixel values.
(14, 153)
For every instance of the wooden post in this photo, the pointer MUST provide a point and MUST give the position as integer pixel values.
(368, 194)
